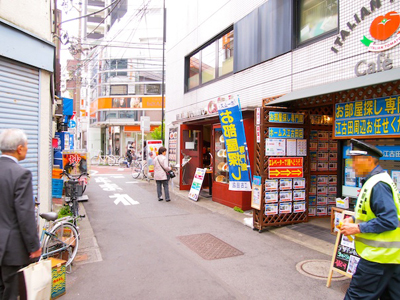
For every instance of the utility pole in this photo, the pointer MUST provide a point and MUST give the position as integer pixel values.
(163, 74)
(78, 87)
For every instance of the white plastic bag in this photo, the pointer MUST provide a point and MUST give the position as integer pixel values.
(36, 279)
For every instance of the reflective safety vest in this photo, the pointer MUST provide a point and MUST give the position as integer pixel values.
(377, 247)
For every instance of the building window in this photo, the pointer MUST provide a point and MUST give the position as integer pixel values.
(208, 63)
(194, 71)
(119, 89)
(215, 59)
(316, 18)
(116, 64)
(225, 54)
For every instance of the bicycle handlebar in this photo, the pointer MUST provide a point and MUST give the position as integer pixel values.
(74, 177)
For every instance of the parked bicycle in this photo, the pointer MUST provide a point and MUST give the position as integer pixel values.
(140, 167)
(73, 190)
(103, 159)
(59, 238)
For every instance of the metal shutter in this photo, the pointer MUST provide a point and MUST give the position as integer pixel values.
(19, 107)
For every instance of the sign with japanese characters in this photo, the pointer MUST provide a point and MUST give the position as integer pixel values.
(375, 117)
(231, 119)
(286, 133)
(285, 162)
(286, 117)
(285, 167)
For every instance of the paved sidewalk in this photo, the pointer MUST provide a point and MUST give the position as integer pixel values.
(314, 235)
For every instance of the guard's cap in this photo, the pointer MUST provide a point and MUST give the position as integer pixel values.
(361, 148)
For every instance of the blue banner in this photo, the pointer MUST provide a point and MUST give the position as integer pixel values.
(286, 117)
(286, 133)
(231, 119)
(376, 117)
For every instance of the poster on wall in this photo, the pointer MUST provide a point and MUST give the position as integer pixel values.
(152, 152)
(256, 193)
(302, 147)
(275, 147)
(396, 178)
(197, 183)
(75, 161)
(231, 119)
(172, 146)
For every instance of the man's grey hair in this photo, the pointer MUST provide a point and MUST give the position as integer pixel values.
(10, 139)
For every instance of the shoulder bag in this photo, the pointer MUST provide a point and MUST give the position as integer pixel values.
(170, 174)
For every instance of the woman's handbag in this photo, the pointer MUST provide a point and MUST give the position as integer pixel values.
(170, 174)
(35, 281)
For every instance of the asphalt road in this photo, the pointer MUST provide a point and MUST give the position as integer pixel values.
(142, 257)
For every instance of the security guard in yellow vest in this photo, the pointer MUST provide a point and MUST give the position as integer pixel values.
(376, 227)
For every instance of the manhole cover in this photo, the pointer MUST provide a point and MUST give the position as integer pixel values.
(318, 269)
(208, 246)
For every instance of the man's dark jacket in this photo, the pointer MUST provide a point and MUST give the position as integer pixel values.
(18, 233)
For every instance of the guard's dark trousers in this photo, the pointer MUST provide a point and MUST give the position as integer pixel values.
(374, 281)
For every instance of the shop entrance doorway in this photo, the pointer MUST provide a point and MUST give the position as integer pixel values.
(191, 156)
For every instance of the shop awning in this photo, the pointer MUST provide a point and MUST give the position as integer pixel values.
(338, 86)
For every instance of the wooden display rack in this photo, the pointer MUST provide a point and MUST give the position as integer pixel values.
(260, 220)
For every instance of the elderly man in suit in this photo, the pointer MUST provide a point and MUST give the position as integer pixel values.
(19, 239)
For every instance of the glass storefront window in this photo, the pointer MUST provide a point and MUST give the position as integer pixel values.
(225, 54)
(316, 18)
(208, 63)
(194, 71)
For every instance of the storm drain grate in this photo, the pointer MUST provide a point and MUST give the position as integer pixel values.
(208, 246)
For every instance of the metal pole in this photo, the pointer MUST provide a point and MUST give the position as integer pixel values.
(163, 76)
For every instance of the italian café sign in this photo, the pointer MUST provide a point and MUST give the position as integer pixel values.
(383, 31)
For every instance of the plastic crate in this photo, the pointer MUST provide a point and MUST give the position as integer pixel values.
(57, 188)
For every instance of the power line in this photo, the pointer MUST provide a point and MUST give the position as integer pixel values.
(109, 13)
(88, 15)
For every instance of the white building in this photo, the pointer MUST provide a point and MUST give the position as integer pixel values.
(124, 77)
(315, 53)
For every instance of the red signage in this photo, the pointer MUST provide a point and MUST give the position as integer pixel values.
(285, 162)
(285, 172)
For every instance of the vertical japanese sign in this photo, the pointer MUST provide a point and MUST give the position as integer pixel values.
(375, 117)
(231, 119)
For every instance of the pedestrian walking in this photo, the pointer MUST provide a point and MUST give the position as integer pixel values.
(129, 154)
(376, 227)
(19, 239)
(160, 173)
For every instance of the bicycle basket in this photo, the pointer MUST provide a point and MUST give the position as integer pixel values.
(70, 187)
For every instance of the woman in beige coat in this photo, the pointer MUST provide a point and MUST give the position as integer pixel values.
(160, 173)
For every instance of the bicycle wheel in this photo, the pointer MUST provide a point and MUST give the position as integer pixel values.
(95, 160)
(110, 160)
(62, 242)
(136, 169)
(146, 174)
(121, 161)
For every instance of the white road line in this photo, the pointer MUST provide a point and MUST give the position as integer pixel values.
(132, 182)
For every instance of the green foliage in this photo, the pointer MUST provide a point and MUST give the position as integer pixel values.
(238, 209)
(156, 134)
(64, 212)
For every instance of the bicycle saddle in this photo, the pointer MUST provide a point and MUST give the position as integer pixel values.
(49, 216)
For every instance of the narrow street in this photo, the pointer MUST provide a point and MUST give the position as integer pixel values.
(143, 255)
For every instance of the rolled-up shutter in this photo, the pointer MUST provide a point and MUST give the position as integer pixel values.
(19, 107)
